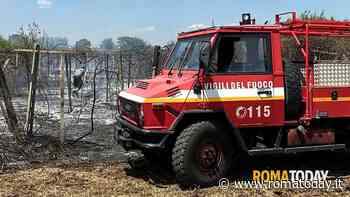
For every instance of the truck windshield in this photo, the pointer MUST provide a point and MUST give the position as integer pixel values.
(186, 55)
(178, 53)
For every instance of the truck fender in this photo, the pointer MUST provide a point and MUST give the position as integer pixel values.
(191, 116)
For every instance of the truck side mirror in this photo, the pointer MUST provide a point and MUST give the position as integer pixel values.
(204, 55)
(156, 60)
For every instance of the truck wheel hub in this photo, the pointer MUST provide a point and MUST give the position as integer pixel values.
(210, 157)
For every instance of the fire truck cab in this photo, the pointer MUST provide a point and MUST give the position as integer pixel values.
(225, 91)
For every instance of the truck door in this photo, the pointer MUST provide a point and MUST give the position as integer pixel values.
(241, 80)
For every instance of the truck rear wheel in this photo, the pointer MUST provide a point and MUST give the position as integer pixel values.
(202, 154)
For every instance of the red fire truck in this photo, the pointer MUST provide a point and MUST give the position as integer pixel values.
(227, 91)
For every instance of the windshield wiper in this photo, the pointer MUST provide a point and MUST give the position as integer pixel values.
(184, 59)
(171, 69)
(180, 60)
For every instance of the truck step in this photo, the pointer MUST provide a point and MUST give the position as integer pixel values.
(265, 151)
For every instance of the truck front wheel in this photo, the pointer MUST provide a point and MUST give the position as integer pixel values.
(202, 154)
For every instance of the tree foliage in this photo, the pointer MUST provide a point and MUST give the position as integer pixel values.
(26, 37)
(107, 44)
(54, 42)
(83, 44)
(4, 44)
(134, 44)
(138, 53)
(308, 15)
(321, 47)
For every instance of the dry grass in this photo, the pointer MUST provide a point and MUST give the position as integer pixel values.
(112, 179)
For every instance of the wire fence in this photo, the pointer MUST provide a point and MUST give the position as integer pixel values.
(90, 80)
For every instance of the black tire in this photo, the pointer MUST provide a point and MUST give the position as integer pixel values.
(200, 140)
(293, 97)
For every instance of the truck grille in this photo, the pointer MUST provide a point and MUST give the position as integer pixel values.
(129, 109)
(142, 84)
(172, 92)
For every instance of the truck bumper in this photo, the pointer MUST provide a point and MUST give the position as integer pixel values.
(132, 137)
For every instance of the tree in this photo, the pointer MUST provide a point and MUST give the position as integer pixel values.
(4, 44)
(54, 42)
(138, 55)
(308, 15)
(26, 38)
(166, 50)
(322, 47)
(16, 40)
(107, 44)
(133, 44)
(83, 44)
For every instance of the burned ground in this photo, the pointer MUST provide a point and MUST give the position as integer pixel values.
(116, 178)
(97, 166)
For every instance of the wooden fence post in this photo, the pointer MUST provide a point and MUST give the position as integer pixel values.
(32, 91)
(61, 134)
(15, 73)
(68, 61)
(107, 77)
(129, 70)
(121, 70)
